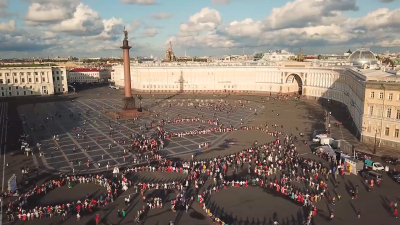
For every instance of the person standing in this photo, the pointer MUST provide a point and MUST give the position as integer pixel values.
(358, 213)
(123, 213)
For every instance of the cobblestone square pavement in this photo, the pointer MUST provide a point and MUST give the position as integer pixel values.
(54, 116)
(246, 205)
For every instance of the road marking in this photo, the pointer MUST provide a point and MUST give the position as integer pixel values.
(74, 141)
(105, 135)
(36, 140)
(64, 155)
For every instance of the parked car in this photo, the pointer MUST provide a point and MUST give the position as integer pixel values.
(368, 174)
(390, 159)
(395, 176)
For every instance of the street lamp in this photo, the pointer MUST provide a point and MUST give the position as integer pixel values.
(383, 110)
(376, 133)
(140, 102)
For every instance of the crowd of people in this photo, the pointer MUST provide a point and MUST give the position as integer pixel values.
(22, 208)
(276, 166)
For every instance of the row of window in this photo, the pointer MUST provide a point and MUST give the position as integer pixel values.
(3, 94)
(22, 80)
(25, 87)
(387, 131)
(57, 78)
(83, 78)
(16, 88)
(29, 73)
(22, 73)
(379, 112)
(80, 74)
(29, 80)
(389, 96)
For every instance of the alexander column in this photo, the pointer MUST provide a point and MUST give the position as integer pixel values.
(128, 101)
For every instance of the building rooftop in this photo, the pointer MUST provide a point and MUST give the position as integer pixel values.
(364, 74)
(26, 65)
(380, 75)
(363, 56)
(82, 70)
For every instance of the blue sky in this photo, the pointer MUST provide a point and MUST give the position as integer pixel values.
(94, 27)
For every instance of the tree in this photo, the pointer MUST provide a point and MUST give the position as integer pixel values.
(258, 55)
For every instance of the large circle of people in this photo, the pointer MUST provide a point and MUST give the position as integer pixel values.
(276, 165)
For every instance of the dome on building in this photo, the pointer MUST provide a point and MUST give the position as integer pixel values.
(362, 56)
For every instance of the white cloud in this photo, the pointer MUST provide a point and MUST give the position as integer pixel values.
(161, 16)
(7, 26)
(3, 3)
(210, 39)
(149, 33)
(113, 30)
(139, 2)
(301, 13)
(73, 28)
(380, 18)
(25, 41)
(206, 19)
(220, 2)
(300, 23)
(85, 22)
(3, 12)
(247, 27)
(44, 12)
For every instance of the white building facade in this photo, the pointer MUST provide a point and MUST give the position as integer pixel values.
(26, 81)
(278, 55)
(342, 84)
(88, 75)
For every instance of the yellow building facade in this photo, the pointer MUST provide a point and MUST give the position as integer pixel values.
(381, 119)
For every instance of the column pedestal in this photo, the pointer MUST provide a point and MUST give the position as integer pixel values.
(128, 103)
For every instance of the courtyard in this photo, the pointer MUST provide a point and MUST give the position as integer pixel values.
(247, 205)
(46, 120)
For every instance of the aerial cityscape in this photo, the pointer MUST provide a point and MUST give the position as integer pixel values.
(206, 112)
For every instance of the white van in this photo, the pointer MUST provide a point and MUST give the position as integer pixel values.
(318, 137)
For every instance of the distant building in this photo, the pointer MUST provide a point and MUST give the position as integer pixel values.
(88, 75)
(169, 54)
(230, 58)
(363, 57)
(32, 80)
(112, 79)
(62, 58)
(278, 55)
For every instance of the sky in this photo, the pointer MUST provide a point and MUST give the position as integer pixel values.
(94, 28)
